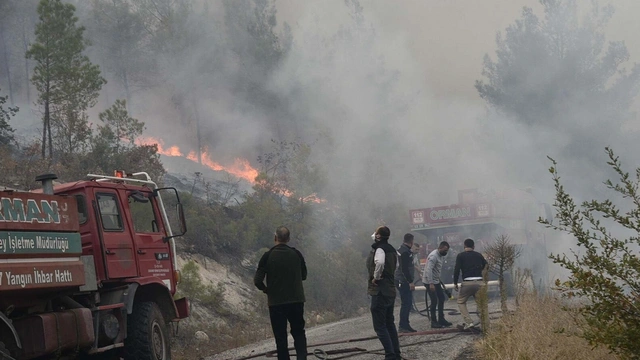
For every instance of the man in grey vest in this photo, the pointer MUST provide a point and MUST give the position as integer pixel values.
(382, 263)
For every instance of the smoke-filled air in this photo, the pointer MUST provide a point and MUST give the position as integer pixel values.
(331, 118)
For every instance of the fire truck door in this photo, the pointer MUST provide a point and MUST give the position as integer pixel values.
(117, 242)
(153, 254)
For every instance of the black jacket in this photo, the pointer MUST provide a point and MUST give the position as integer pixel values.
(285, 270)
(406, 271)
(470, 263)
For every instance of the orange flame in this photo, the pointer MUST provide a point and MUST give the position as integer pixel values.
(171, 151)
(240, 168)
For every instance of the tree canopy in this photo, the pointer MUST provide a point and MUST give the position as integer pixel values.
(558, 68)
(6, 132)
(66, 80)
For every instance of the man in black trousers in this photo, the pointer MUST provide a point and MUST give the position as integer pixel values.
(382, 263)
(404, 282)
(285, 269)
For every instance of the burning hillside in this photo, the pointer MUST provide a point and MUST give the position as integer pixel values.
(241, 168)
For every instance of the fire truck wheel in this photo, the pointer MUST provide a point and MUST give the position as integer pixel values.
(4, 352)
(147, 334)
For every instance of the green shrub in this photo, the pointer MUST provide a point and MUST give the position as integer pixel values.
(605, 270)
(192, 287)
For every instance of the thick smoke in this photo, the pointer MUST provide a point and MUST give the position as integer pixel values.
(398, 130)
(384, 93)
(351, 75)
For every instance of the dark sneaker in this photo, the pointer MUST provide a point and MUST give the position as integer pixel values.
(444, 323)
(407, 330)
(435, 325)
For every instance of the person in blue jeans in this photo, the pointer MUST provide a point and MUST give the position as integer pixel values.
(285, 269)
(431, 280)
(404, 282)
(381, 264)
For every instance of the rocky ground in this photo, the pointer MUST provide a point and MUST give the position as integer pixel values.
(449, 346)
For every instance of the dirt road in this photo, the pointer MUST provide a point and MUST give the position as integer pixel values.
(433, 347)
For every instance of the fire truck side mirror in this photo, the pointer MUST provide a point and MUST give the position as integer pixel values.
(183, 221)
(169, 199)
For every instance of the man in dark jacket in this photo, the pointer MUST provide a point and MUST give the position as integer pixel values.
(285, 270)
(404, 282)
(382, 263)
(471, 264)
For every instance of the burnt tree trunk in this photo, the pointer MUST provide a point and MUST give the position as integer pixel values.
(127, 92)
(45, 126)
(5, 59)
(503, 291)
(25, 47)
(196, 114)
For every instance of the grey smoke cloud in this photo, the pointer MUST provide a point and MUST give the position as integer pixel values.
(443, 140)
(452, 36)
(385, 97)
(430, 134)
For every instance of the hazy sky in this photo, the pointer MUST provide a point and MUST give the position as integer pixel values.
(450, 37)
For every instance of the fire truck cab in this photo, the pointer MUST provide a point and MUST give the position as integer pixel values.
(88, 269)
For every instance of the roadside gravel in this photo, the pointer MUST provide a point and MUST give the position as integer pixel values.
(433, 347)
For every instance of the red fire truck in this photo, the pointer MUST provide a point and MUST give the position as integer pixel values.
(88, 269)
(482, 217)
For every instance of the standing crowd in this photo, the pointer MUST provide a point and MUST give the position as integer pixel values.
(391, 272)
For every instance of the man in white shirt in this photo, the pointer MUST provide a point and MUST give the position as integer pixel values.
(381, 264)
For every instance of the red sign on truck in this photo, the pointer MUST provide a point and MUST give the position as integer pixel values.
(30, 275)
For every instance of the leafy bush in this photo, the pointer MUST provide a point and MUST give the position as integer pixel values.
(192, 287)
(605, 271)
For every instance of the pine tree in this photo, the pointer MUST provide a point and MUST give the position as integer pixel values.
(120, 130)
(6, 132)
(67, 82)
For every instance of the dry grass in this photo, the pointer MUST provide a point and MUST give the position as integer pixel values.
(539, 329)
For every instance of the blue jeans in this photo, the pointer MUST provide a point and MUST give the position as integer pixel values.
(384, 325)
(406, 301)
(437, 301)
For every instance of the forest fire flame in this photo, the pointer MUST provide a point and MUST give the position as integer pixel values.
(241, 168)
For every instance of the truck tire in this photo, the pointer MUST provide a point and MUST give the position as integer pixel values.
(5, 354)
(147, 334)
(109, 355)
